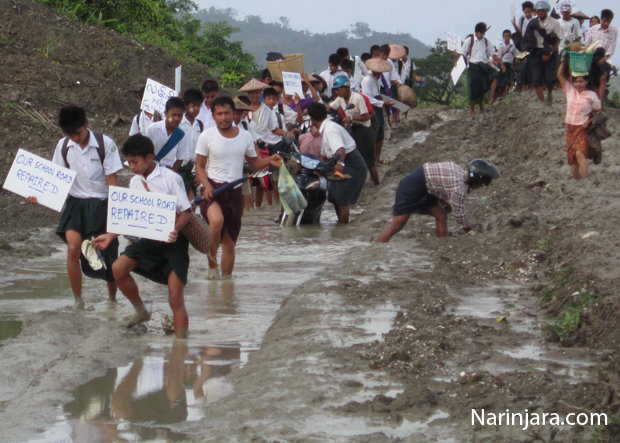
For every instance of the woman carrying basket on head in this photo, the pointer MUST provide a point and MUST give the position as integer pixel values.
(580, 103)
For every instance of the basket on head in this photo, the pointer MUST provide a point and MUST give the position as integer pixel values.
(405, 94)
(291, 63)
(581, 62)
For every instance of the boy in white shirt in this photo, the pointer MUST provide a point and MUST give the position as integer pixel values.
(571, 28)
(192, 127)
(210, 89)
(506, 54)
(225, 147)
(171, 148)
(95, 159)
(166, 263)
(524, 68)
(142, 120)
(331, 73)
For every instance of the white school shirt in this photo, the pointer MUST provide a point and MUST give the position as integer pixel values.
(392, 75)
(263, 122)
(159, 136)
(481, 52)
(360, 107)
(139, 125)
(371, 88)
(192, 132)
(550, 25)
(334, 138)
(90, 179)
(206, 117)
(249, 128)
(524, 24)
(329, 77)
(225, 155)
(507, 53)
(571, 30)
(163, 181)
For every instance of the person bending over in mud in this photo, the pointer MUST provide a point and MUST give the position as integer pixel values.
(434, 187)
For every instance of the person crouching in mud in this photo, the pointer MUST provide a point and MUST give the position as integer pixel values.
(431, 187)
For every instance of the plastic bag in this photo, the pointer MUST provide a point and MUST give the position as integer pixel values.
(291, 197)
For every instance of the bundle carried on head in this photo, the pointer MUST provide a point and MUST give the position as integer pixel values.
(287, 63)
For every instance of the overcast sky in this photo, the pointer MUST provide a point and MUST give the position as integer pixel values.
(424, 20)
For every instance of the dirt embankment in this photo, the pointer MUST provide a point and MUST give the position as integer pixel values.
(49, 61)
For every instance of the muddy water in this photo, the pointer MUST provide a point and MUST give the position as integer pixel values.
(228, 320)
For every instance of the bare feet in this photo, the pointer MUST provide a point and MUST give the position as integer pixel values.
(79, 304)
(141, 316)
(214, 274)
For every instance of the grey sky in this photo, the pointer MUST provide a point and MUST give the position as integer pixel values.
(425, 20)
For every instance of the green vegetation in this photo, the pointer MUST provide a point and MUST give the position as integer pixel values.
(167, 24)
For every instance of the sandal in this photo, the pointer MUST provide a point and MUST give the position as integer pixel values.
(92, 255)
(385, 162)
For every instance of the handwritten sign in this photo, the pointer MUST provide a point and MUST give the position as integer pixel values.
(558, 6)
(33, 176)
(396, 104)
(155, 97)
(454, 42)
(292, 83)
(178, 74)
(140, 213)
(458, 70)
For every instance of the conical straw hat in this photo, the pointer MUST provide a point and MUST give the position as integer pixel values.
(240, 106)
(253, 85)
(378, 65)
(397, 52)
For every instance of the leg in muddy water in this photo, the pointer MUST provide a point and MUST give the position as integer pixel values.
(276, 194)
(74, 245)
(342, 212)
(374, 175)
(177, 304)
(112, 289)
(122, 268)
(441, 220)
(216, 222)
(228, 255)
(378, 149)
(259, 196)
(398, 223)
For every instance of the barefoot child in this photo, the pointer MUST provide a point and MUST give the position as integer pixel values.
(94, 157)
(161, 262)
(507, 54)
(579, 105)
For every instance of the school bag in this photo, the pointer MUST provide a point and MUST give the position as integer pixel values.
(176, 136)
(100, 149)
(471, 47)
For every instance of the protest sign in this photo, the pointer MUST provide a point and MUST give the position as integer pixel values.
(396, 104)
(558, 6)
(178, 73)
(33, 176)
(292, 83)
(155, 97)
(458, 70)
(454, 42)
(140, 213)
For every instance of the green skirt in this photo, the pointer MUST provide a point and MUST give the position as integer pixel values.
(88, 217)
(157, 259)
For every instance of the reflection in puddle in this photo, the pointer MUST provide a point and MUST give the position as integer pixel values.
(168, 385)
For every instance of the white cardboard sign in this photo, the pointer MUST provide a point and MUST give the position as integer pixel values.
(33, 176)
(178, 75)
(398, 105)
(458, 70)
(292, 83)
(140, 213)
(155, 97)
(454, 42)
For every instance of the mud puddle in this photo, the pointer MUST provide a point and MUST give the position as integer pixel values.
(9, 328)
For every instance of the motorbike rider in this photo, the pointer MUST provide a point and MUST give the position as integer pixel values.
(431, 186)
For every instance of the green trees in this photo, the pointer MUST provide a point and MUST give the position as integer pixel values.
(169, 25)
(435, 70)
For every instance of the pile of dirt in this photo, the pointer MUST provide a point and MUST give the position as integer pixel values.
(49, 61)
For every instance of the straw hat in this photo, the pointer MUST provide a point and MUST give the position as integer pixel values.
(378, 65)
(240, 106)
(580, 14)
(397, 52)
(253, 85)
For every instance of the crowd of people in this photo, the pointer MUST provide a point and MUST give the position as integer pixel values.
(206, 140)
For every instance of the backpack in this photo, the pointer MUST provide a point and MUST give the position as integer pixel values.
(471, 47)
(201, 125)
(100, 149)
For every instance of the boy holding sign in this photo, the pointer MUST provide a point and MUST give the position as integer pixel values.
(165, 263)
(94, 157)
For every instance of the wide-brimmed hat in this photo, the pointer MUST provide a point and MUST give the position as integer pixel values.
(378, 65)
(253, 85)
(240, 106)
(397, 52)
(580, 14)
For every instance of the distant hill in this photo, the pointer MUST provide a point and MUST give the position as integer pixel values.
(259, 38)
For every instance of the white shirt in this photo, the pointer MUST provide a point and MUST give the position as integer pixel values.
(140, 123)
(159, 136)
(225, 155)
(192, 132)
(507, 53)
(607, 39)
(290, 116)
(360, 107)
(264, 121)
(481, 52)
(550, 25)
(206, 117)
(571, 30)
(334, 138)
(524, 23)
(405, 70)
(392, 75)
(163, 181)
(371, 89)
(250, 129)
(329, 77)
(90, 179)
